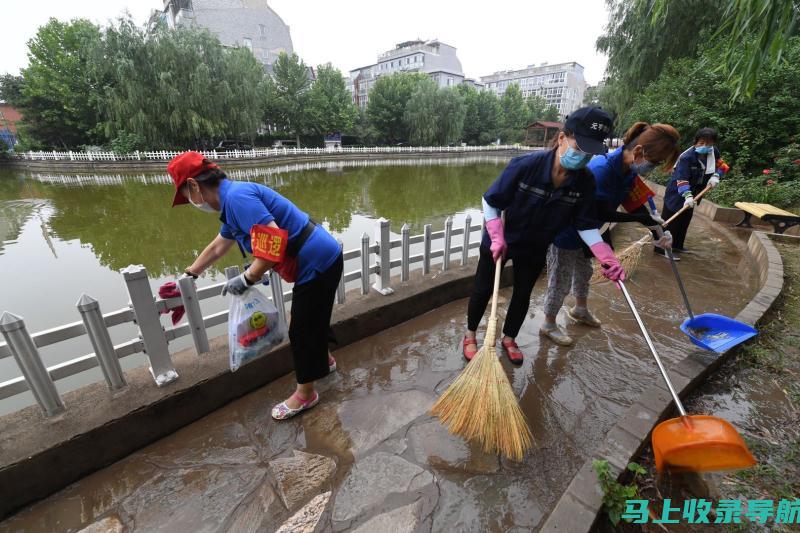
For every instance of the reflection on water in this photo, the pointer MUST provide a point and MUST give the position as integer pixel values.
(62, 235)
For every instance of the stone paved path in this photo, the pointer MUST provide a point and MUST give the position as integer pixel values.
(370, 459)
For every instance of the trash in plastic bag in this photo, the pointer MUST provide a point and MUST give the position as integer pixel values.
(254, 327)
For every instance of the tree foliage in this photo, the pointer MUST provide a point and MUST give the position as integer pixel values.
(514, 114)
(755, 34)
(750, 130)
(332, 108)
(387, 105)
(292, 84)
(434, 115)
(58, 95)
(482, 115)
(638, 45)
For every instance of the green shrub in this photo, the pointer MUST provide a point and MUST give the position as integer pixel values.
(763, 190)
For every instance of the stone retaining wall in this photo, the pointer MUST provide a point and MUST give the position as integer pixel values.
(582, 503)
(161, 166)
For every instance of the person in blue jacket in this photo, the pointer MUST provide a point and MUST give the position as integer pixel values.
(541, 194)
(568, 264)
(699, 166)
(312, 261)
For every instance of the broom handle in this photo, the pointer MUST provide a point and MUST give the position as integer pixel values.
(684, 208)
(650, 345)
(498, 267)
(680, 282)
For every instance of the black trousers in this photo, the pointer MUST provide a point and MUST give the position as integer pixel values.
(526, 271)
(309, 329)
(679, 227)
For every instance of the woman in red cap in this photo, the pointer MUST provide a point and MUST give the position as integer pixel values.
(312, 260)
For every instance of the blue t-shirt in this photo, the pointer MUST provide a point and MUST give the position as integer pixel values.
(612, 186)
(246, 204)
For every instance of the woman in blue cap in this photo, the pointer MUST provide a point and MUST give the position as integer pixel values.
(616, 176)
(312, 261)
(699, 166)
(541, 194)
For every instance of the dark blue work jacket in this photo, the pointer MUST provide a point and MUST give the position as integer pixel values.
(690, 167)
(535, 210)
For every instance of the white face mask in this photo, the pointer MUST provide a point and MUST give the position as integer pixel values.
(204, 206)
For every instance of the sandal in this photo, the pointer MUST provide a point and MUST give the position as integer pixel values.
(284, 412)
(331, 364)
(512, 351)
(469, 353)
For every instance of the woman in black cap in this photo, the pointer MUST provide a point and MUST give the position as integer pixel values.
(541, 194)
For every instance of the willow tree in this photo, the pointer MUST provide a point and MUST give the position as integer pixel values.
(434, 115)
(755, 34)
(332, 108)
(178, 88)
(387, 104)
(482, 115)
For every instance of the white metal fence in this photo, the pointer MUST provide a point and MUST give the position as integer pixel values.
(256, 153)
(376, 261)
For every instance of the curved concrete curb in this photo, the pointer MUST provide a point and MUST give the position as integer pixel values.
(582, 502)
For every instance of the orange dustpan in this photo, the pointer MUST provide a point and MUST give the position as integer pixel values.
(697, 443)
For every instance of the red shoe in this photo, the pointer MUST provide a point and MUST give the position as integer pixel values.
(468, 352)
(512, 351)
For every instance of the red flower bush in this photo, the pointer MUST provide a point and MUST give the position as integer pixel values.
(767, 171)
(770, 182)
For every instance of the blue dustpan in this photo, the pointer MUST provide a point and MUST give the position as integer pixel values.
(711, 331)
(716, 332)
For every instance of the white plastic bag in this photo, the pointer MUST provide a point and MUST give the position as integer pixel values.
(254, 327)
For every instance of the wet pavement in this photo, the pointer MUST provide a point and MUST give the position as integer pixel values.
(370, 458)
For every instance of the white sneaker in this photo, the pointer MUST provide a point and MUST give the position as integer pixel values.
(584, 317)
(557, 335)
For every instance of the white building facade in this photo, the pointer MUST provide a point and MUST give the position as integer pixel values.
(236, 23)
(437, 59)
(562, 85)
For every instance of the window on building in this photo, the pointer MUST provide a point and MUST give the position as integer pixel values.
(263, 30)
(450, 80)
(248, 43)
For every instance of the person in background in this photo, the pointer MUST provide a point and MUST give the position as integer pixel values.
(699, 166)
(618, 180)
(312, 260)
(541, 194)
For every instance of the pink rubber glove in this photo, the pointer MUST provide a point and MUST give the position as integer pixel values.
(494, 228)
(611, 267)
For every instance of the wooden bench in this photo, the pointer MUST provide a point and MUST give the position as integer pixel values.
(781, 220)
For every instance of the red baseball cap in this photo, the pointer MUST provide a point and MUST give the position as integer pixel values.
(184, 166)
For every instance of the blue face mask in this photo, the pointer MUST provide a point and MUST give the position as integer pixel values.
(574, 159)
(702, 149)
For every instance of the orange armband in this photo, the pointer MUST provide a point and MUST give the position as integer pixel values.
(269, 243)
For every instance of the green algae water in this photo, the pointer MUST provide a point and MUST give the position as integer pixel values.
(62, 235)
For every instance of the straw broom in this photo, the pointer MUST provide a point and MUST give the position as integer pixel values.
(629, 258)
(480, 404)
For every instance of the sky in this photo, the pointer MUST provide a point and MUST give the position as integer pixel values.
(489, 36)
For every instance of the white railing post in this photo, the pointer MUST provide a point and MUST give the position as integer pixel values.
(340, 292)
(405, 246)
(365, 263)
(89, 309)
(276, 286)
(426, 250)
(144, 309)
(384, 258)
(448, 237)
(194, 315)
(465, 249)
(71, 156)
(231, 271)
(30, 363)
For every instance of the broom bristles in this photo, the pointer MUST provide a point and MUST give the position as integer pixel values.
(481, 405)
(629, 258)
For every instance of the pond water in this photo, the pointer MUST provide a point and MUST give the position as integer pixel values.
(62, 235)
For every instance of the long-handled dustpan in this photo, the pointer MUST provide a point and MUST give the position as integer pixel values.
(697, 443)
(710, 331)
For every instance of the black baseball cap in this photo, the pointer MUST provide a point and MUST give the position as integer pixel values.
(591, 126)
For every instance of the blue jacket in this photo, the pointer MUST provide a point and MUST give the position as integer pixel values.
(690, 167)
(612, 186)
(535, 210)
